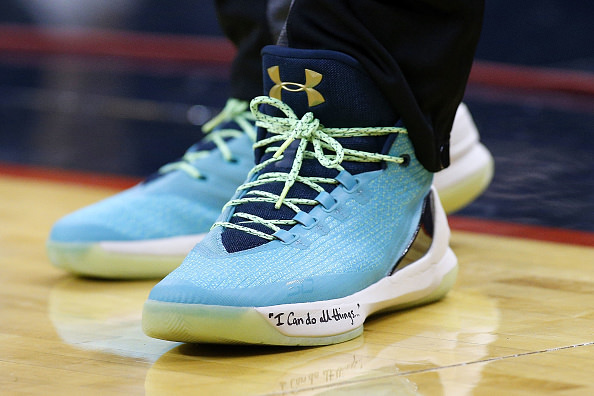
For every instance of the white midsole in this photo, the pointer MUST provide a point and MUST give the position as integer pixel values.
(464, 133)
(476, 160)
(179, 245)
(467, 154)
(410, 284)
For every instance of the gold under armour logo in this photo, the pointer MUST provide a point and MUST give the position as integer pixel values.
(312, 79)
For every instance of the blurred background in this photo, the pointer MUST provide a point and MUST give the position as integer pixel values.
(121, 87)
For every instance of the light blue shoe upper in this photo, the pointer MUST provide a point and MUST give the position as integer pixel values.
(184, 199)
(333, 203)
(355, 242)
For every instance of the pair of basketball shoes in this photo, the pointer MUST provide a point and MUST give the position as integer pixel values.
(327, 215)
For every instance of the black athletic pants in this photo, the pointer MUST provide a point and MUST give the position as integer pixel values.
(418, 51)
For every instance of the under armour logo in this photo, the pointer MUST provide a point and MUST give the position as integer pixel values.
(312, 79)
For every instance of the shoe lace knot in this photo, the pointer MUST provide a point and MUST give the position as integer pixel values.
(327, 150)
(307, 130)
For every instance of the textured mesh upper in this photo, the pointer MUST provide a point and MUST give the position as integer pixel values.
(165, 205)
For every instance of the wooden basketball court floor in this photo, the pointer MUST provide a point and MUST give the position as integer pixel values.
(520, 320)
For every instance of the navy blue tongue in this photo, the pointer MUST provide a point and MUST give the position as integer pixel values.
(335, 88)
(331, 85)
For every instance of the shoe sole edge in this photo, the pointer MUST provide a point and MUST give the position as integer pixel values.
(334, 321)
(120, 260)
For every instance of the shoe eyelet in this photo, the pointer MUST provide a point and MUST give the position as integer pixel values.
(312, 225)
(331, 208)
(349, 182)
(285, 237)
(327, 201)
(406, 160)
(306, 220)
(354, 188)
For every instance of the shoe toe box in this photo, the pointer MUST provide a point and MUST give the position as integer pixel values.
(255, 279)
(130, 216)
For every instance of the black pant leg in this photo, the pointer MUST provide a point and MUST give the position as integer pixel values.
(245, 23)
(418, 51)
(250, 25)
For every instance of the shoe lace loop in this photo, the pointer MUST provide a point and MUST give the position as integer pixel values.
(327, 150)
(234, 110)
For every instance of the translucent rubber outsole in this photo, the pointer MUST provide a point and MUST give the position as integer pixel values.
(196, 323)
(89, 259)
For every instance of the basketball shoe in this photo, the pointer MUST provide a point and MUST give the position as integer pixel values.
(147, 230)
(337, 221)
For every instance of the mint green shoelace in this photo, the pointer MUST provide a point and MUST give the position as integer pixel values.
(234, 110)
(307, 130)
